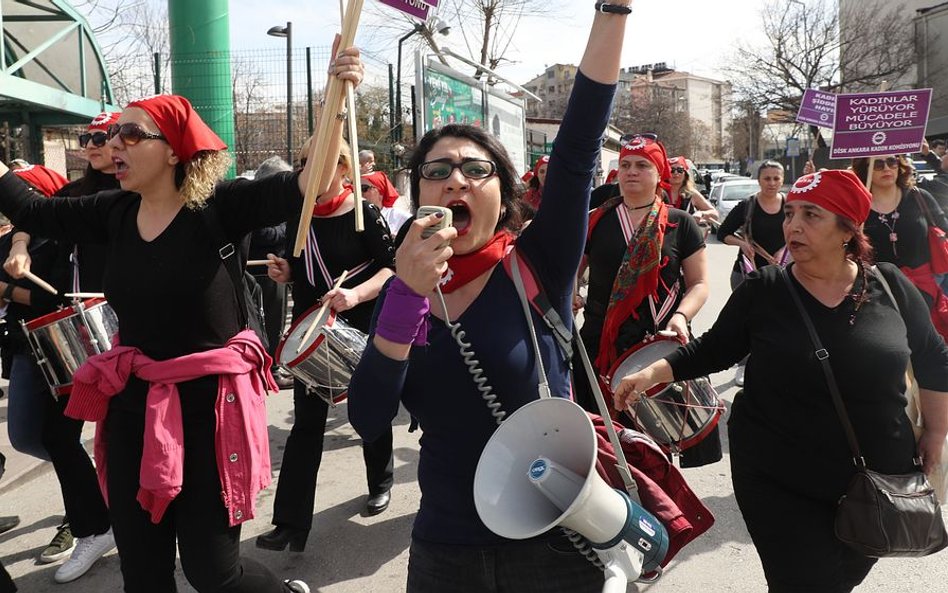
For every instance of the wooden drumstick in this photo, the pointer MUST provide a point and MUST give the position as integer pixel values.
(319, 314)
(40, 282)
(84, 295)
(257, 262)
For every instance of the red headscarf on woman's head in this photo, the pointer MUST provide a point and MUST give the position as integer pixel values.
(44, 179)
(678, 161)
(101, 122)
(654, 151)
(611, 177)
(179, 123)
(381, 182)
(840, 192)
(543, 160)
(526, 177)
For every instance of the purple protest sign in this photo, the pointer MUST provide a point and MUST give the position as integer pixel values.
(878, 124)
(817, 108)
(414, 8)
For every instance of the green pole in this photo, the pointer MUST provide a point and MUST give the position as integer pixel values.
(200, 61)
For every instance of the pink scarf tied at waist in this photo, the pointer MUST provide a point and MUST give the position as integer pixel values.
(241, 440)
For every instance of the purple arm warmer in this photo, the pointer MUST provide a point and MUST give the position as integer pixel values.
(404, 315)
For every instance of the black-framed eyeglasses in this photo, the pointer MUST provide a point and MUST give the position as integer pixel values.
(131, 133)
(677, 169)
(888, 162)
(440, 169)
(98, 139)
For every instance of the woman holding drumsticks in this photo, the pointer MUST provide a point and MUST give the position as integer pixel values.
(184, 391)
(368, 260)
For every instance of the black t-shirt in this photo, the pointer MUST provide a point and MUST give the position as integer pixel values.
(784, 423)
(342, 249)
(603, 193)
(911, 229)
(605, 251)
(766, 229)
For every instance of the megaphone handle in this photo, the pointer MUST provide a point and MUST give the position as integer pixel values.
(622, 465)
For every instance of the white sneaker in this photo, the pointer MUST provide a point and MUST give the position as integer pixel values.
(296, 586)
(87, 551)
(739, 376)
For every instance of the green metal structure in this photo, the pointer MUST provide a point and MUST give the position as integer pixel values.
(200, 61)
(52, 71)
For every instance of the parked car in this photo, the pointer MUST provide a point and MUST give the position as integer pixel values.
(923, 170)
(726, 194)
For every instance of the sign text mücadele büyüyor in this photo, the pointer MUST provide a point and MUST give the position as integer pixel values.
(416, 8)
(879, 124)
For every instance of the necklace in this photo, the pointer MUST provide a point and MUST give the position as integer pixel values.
(631, 208)
(893, 236)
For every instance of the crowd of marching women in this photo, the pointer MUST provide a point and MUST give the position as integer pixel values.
(408, 310)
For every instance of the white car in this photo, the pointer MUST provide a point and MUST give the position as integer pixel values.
(728, 193)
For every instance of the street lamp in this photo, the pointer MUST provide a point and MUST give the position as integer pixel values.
(436, 24)
(287, 32)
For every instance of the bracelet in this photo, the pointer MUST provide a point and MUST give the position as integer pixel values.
(605, 7)
(683, 315)
(8, 292)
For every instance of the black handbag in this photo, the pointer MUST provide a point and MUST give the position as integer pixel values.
(879, 515)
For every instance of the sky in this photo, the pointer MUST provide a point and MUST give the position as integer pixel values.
(697, 36)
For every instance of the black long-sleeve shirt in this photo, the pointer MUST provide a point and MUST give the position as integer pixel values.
(784, 422)
(766, 228)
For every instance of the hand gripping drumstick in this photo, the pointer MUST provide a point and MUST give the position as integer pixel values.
(325, 147)
(40, 282)
(319, 314)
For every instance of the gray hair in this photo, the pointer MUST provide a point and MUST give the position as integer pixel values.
(365, 155)
(271, 166)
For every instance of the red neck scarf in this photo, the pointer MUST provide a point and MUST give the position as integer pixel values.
(637, 277)
(464, 268)
(327, 208)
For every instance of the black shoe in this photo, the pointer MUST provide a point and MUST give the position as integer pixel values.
(377, 503)
(8, 523)
(279, 537)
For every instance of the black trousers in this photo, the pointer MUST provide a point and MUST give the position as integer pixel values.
(296, 489)
(274, 310)
(208, 546)
(794, 535)
(82, 497)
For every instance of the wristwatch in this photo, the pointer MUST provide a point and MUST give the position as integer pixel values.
(613, 8)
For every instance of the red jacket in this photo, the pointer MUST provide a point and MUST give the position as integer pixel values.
(663, 491)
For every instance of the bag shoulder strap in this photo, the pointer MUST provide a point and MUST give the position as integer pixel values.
(541, 304)
(228, 254)
(823, 356)
(920, 200)
(544, 386)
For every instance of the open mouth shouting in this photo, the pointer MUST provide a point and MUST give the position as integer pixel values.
(121, 169)
(460, 215)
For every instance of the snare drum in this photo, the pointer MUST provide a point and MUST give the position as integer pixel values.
(327, 360)
(677, 415)
(64, 339)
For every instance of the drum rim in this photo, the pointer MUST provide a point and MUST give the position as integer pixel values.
(647, 341)
(55, 316)
(304, 354)
(689, 442)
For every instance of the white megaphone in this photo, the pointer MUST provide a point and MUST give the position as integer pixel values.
(538, 470)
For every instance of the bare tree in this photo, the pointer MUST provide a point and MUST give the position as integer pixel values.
(652, 108)
(804, 45)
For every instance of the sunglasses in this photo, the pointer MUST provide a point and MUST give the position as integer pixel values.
(98, 139)
(366, 188)
(626, 138)
(890, 163)
(677, 169)
(441, 169)
(131, 134)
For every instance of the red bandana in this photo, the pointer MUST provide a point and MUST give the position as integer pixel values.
(382, 183)
(101, 122)
(327, 208)
(464, 268)
(45, 180)
(180, 124)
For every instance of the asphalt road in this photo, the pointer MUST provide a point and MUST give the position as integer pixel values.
(349, 553)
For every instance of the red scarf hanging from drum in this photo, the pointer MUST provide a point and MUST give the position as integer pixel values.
(464, 268)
